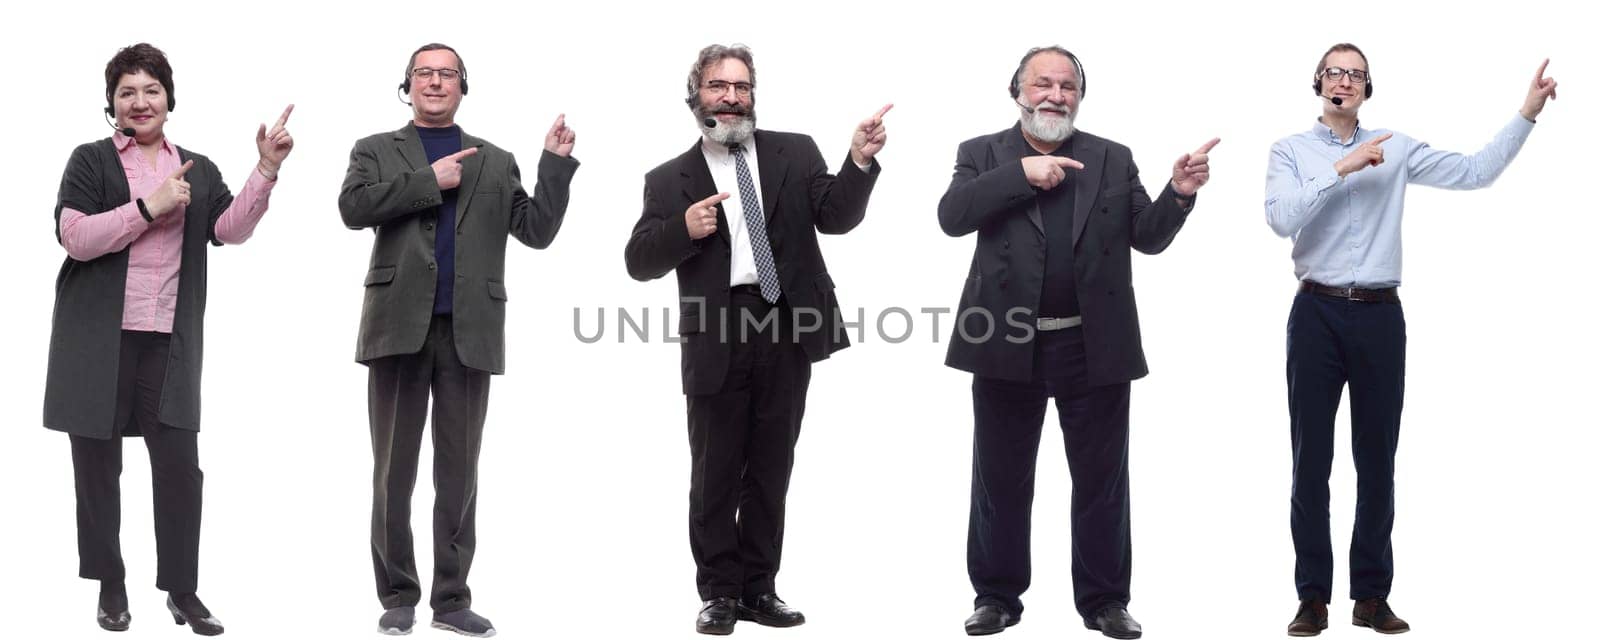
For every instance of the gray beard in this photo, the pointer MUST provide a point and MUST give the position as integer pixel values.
(727, 133)
(1051, 130)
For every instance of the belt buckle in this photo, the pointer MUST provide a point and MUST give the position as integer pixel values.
(1349, 293)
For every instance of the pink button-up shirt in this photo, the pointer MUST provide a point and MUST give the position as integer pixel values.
(156, 252)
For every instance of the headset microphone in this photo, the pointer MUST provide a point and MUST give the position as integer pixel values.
(709, 122)
(1337, 101)
(127, 131)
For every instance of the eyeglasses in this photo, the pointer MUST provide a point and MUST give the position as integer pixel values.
(720, 87)
(1334, 74)
(424, 74)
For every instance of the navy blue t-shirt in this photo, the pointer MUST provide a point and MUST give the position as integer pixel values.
(438, 143)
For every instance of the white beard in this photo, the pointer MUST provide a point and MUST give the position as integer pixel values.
(1048, 128)
(729, 133)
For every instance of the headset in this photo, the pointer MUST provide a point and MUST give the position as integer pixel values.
(111, 112)
(405, 85)
(1016, 77)
(1316, 80)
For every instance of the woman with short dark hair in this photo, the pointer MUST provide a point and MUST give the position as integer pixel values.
(135, 214)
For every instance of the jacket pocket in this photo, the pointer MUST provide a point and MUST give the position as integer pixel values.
(497, 290)
(379, 275)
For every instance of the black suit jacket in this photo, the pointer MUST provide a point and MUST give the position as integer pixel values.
(1111, 214)
(390, 187)
(799, 199)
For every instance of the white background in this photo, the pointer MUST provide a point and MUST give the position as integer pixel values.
(584, 473)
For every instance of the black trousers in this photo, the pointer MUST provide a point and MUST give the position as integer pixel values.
(741, 444)
(1008, 419)
(175, 475)
(1334, 342)
(397, 397)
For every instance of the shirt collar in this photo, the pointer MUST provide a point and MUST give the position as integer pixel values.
(122, 142)
(1326, 133)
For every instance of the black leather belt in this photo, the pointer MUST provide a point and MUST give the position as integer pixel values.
(746, 289)
(1390, 295)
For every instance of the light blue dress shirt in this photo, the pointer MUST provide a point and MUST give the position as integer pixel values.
(1346, 230)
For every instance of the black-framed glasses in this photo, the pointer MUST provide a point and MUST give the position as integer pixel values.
(1334, 74)
(720, 87)
(424, 74)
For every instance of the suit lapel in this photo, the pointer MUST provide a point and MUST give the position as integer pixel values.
(1092, 154)
(774, 169)
(698, 185)
(1012, 147)
(471, 169)
(409, 146)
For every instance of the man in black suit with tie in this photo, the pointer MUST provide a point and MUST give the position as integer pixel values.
(441, 204)
(1048, 312)
(737, 216)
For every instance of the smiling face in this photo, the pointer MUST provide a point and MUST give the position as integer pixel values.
(140, 102)
(434, 99)
(1351, 94)
(1050, 90)
(726, 95)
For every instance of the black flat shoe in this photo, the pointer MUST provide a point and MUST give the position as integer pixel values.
(989, 619)
(199, 619)
(1114, 622)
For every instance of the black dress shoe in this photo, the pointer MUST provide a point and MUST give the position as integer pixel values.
(193, 613)
(717, 616)
(1114, 622)
(112, 614)
(989, 619)
(1376, 614)
(768, 610)
(1310, 620)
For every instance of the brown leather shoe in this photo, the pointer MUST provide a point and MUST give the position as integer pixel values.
(1376, 614)
(1310, 620)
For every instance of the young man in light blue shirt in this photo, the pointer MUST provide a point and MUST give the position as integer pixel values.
(1334, 191)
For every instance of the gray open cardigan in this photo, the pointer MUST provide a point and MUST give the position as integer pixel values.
(80, 393)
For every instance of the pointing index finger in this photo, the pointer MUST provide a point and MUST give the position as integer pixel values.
(561, 121)
(181, 170)
(885, 109)
(1382, 139)
(1064, 161)
(284, 119)
(1540, 74)
(713, 200)
(1206, 148)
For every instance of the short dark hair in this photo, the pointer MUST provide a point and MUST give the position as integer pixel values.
(1316, 79)
(133, 59)
(434, 46)
(1343, 46)
(710, 56)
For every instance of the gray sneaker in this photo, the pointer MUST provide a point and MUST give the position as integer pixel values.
(397, 621)
(464, 622)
